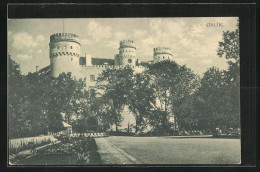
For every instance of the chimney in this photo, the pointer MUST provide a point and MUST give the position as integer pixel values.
(88, 59)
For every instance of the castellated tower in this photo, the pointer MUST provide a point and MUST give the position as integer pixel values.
(126, 54)
(64, 53)
(162, 53)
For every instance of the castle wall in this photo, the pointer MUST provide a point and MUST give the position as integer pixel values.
(93, 72)
(64, 63)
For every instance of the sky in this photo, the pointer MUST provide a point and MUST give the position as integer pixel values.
(193, 41)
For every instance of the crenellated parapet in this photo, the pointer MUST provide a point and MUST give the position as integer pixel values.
(110, 67)
(62, 53)
(162, 50)
(102, 66)
(69, 37)
(127, 44)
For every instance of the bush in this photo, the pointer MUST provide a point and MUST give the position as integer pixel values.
(85, 149)
(119, 133)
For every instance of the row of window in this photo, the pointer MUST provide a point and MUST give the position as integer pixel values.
(65, 47)
(164, 58)
(126, 51)
(92, 78)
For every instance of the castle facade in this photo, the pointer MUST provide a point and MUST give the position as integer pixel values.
(65, 57)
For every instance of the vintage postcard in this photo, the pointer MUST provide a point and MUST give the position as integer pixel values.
(124, 91)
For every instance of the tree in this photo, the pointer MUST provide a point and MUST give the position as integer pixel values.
(65, 94)
(163, 74)
(229, 49)
(16, 118)
(185, 85)
(35, 89)
(211, 99)
(215, 108)
(187, 119)
(92, 123)
(173, 85)
(115, 85)
(141, 100)
(80, 125)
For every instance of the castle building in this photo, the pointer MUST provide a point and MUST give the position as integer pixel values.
(65, 57)
(64, 53)
(162, 53)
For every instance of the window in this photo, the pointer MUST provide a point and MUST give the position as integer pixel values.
(70, 47)
(92, 77)
(64, 47)
(92, 92)
(163, 57)
(58, 47)
(71, 59)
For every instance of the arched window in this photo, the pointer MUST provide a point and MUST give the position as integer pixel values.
(70, 47)
(163, 57)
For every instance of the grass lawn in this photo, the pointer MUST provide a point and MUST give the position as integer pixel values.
(172, 150)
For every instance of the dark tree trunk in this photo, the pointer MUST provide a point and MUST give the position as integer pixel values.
(116, 127)
(136, 127)
(128, 128)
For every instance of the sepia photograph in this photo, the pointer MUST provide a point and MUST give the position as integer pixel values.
(123, 91)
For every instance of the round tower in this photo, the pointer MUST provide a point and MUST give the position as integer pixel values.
(126, 54)
(64, 53)
(162, 53)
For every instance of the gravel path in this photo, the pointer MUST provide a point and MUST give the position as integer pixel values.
(110, 154)
(168, 150)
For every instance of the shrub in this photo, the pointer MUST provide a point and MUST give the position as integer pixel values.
(18, 145)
